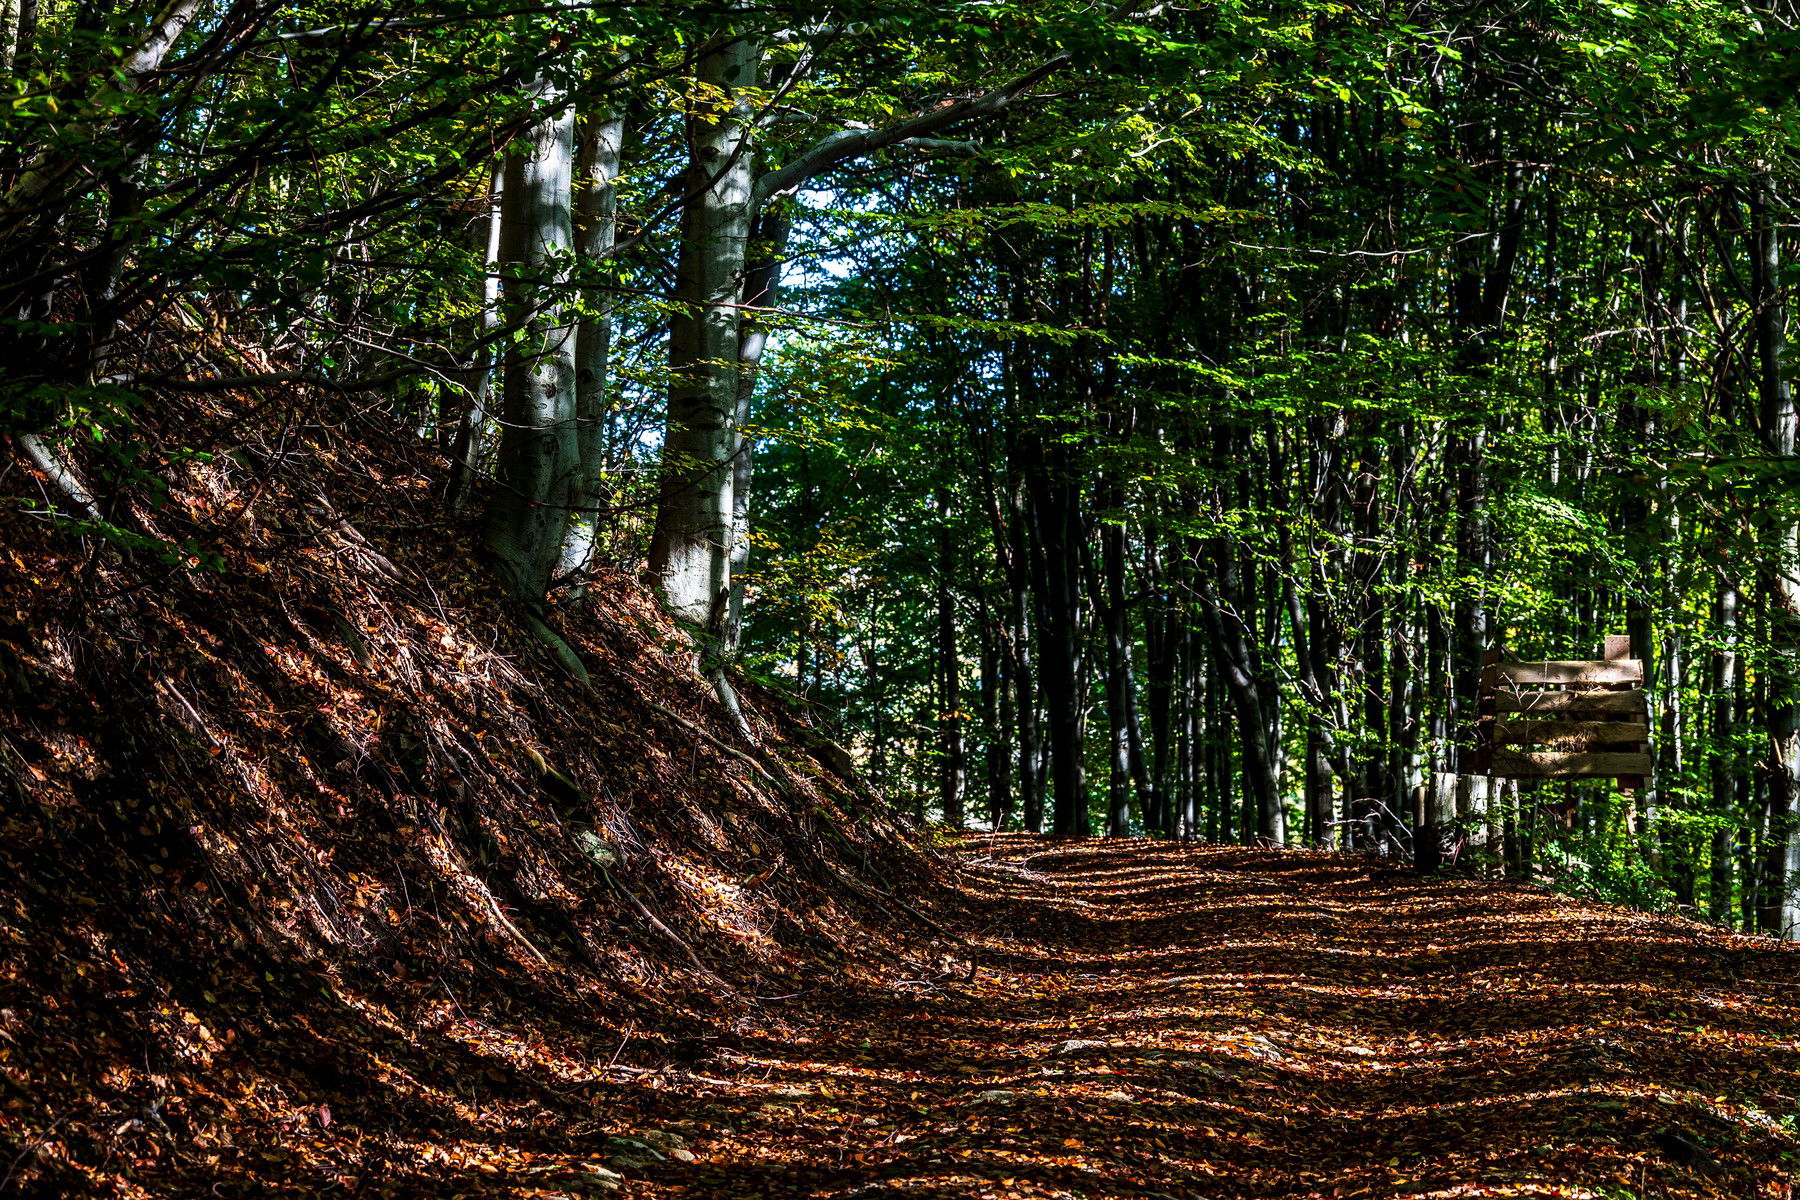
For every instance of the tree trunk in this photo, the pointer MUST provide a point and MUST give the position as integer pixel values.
(18, 31)
(1727, 673)
(1160, 671)
(538, 454)
(952, 765)
(596, 226)
(1118, 679)
(1202, 774)
(1023, 669)
(472, 431)
(1469, 638)
(1056, 572)
(1262, 799)
(762, 292)
(1320, 796)
(690, 550)
(1780, 910)
(996, 721)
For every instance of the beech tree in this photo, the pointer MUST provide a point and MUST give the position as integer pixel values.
(540, 453)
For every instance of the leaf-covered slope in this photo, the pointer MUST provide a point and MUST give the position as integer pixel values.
(315, 873)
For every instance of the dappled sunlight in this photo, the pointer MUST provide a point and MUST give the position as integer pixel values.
(1221, 1022)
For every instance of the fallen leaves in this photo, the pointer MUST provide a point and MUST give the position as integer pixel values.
(1216, 1062)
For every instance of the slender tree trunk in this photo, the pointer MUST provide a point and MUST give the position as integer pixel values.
(875, 693)
(996, 722)
(1262, 799)
(1320, 794)
(1118, 678)
(1371, 642)
(1159, 668)
(1474, 554)
(596, 226)
(1204, 793)
(1142, 784)
(472, 431)
(1753, 786)
(762, 292)
(18, 31)
(1057, 574)
(1781, 432)
(538, 453)
(1023, 665)
(690, 550)
(1221, 783)
(1678, 848)
(952, 763)
(1725, 686)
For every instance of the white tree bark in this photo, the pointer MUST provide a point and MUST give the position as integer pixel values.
(761, 291)
(596, 230)
(690, 552)
(538, 455)
(10, 23)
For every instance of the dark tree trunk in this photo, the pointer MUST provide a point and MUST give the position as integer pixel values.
(1160, 668)
(1119, 718)
(1780, 909)
(1056, 572)
(1023, 665)
(1727, 685)
(953, 767)
(996, 719)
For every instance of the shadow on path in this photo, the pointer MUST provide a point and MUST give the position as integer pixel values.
(1155, 1020)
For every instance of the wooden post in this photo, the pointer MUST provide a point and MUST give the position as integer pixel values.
(1617, 649)
(1424, 834)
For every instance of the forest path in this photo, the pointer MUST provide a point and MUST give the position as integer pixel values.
(1159, 1020)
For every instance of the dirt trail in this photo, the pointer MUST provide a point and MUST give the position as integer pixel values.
(1153, 1020)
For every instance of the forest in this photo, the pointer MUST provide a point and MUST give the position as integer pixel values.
(725, 598)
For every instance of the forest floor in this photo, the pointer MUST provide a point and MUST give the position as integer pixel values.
(1151, 1020)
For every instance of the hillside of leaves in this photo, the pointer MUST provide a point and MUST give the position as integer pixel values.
(318, 877)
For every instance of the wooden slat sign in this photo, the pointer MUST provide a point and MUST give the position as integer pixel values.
(1556, 764)
(1597, 703)
(1627, 670)
(1566, 719)
(1584, 735)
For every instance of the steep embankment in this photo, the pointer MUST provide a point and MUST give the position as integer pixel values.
(317, 877)
(1135, 1019)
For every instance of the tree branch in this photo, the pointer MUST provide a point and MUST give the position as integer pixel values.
(854, 143)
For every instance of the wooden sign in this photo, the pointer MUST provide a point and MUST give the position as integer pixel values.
(1565, 719)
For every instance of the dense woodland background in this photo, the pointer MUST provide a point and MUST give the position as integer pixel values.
(1132, 419)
